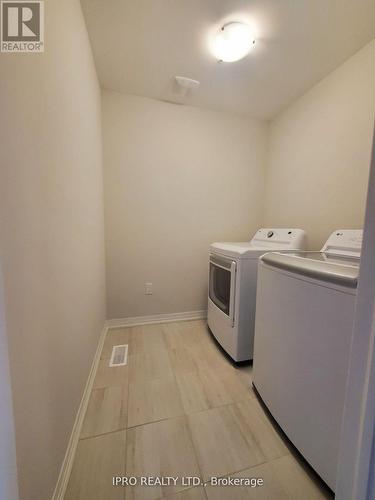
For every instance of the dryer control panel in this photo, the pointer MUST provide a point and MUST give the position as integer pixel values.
(280, 238)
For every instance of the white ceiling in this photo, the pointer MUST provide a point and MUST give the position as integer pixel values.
(140, 45)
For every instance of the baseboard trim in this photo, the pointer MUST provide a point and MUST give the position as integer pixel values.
(156, 318)
(66, 467)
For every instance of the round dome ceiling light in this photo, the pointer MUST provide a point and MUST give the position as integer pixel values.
(233, 42)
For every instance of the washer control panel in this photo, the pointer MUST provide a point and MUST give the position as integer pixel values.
(344, 242)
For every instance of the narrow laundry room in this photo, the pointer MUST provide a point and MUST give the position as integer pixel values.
(187, 249)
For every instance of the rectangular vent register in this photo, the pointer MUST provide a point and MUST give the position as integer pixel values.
(119, 355)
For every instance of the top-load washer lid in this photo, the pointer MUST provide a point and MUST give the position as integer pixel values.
(337, 262)
(339, 271)
(264, 240)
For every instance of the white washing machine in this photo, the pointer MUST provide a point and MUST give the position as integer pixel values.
(232, 287)
(303, 328)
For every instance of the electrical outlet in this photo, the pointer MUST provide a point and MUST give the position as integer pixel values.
(148, 288)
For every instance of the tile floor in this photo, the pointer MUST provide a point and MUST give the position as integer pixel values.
(180, 408)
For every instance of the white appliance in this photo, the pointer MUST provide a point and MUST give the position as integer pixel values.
(303, 327)
(232, 286)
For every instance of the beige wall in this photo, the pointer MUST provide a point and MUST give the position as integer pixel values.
(51, 233)
(176, 179)
(319, 153)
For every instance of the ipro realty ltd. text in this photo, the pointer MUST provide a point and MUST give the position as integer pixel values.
(186, 481)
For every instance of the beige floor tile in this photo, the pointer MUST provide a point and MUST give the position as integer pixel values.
(200, 323)
(297, 480)
(245, 373)
(183, 360)
(107, 376)
(258, 431)
(191, 348)
(209, 354)
(97, 460)
(190, 358)
(147, 339)
(207, 339)
(191, 494)
(192, 390)
(149, 366)
(187, 347)
(271, 489)
(190, 332)
(220, 446)
(106, 412)
(152, 400)
(115, 336)
(207, 388)
(224, 386)
(175, 368)
(283, 479)
(159, 449)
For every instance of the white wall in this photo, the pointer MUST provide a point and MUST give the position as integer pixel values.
(176, 179)
(319, 153)
(52, 238)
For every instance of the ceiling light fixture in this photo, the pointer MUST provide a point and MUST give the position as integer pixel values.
(233, 42)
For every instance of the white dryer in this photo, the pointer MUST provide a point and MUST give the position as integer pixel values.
(303, 329)
(232, 286)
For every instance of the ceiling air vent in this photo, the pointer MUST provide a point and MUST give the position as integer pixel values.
(185, 86)
(119, 355)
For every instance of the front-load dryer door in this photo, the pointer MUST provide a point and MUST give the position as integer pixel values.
(222, 284)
